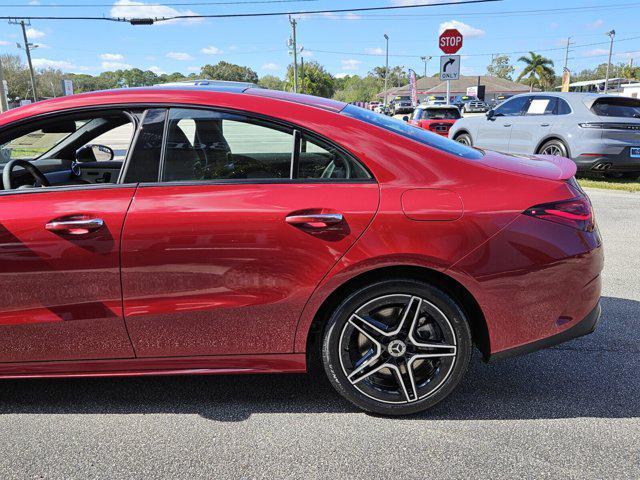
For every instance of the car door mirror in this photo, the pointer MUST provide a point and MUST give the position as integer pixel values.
(94, 153)
(405, 118)
(491, 114)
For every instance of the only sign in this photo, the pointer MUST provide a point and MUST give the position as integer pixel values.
(450, 41)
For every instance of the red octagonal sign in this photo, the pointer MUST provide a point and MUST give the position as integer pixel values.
(450, 41)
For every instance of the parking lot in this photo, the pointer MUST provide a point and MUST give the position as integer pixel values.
(568, 412)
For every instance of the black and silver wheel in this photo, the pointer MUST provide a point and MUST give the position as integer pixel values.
(464, 139)
(553, 147)
(397, 347)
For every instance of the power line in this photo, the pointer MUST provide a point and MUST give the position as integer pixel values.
(150, 21)
(169, 4)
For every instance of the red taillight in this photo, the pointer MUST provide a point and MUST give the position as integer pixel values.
(576, 213)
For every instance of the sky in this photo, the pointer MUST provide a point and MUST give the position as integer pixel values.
(346, 44)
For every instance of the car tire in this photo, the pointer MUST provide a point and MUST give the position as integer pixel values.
(465, 139)
(555, 148)
(372, 343)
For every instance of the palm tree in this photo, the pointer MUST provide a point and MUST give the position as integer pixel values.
(538, 70)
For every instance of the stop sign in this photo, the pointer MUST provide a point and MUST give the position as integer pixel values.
(450, 41)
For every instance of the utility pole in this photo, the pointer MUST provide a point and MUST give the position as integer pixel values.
(386, 71)
(611, 34)
(425, 60)
(27, 48)
(293, 23)
(4, 106)
(566, 53)
(302, 72)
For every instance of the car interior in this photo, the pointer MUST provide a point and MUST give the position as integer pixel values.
(66, 151)
(84, 149)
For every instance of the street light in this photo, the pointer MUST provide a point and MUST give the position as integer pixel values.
(611, 34)
(386, 71)
(425, 60)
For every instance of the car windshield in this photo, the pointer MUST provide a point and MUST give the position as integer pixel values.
(441, 114)
(414, 133)
(617, 107)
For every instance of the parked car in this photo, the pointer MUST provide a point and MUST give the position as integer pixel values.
(435, 100)
(373, 105)
(435, 118)
(256, 231)
(601, 133)
(401, 104)
(498, 99)
(468, 104)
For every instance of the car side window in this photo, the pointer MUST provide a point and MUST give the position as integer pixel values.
(541, 106)
(205, 145)
(512, 107)
(562, 107)
(320, 160)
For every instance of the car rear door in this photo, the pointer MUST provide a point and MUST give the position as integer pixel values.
(533, 125)
(221, 254)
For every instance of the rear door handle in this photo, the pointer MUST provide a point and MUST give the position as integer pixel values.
(75, 227)
(544, 124)
(506, 124)
(315, 219)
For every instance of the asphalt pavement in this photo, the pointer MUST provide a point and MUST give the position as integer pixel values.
(567, 412)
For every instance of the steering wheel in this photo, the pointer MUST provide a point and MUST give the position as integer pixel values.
(28, 166)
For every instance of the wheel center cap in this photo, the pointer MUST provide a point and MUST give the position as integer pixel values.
(397, 348)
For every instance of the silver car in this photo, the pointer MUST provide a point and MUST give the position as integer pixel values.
(601, 133)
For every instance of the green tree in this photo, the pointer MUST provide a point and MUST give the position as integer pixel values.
(538, 71)
(317, 81)
(500, 67)
(272, 83)
(230, 72)
(358, 89)
(397, 75)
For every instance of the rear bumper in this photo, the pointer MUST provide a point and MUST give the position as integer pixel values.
(621, 162)
(584, 327)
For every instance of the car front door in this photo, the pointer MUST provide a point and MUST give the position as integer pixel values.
(221, 254)
(494, 131)
(533, 125)
(60, 290)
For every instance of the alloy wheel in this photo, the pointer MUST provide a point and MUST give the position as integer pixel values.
(398, 348)
(553, 149)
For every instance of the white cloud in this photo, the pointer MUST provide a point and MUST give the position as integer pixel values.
(115, 66)
(32, 33)
(595, 24)
(270, 66)
(180, 56)
(374, 51)
(211, 50)
(34, 2)
(111, 57)
(155, 69)
(193, 69)
(4, 43)
(341, 75)
(131, 9)
(41, 45)
(48, 63)
(350, 64)
(596, 52)
(463, 28)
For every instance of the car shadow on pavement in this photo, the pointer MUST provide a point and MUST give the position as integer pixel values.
(595, 376)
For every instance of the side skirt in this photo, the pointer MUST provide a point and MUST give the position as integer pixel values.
(215, 365)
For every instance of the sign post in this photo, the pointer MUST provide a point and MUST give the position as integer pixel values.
(4, 91)
(450, 41)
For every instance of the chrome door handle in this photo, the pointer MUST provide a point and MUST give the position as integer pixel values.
(544, 124)
(75, 227)
(506, 124)
(310, 218)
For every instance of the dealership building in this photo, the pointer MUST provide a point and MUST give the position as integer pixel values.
(427, 86)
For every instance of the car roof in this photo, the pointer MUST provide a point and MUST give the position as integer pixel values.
(158, 94)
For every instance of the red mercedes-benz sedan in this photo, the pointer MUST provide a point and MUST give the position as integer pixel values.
(220, 228)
